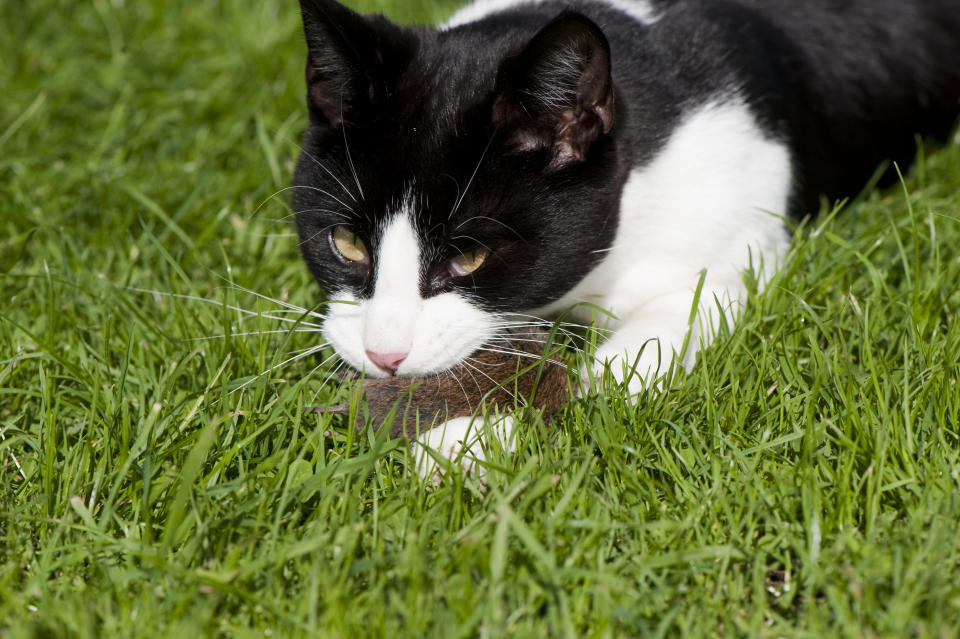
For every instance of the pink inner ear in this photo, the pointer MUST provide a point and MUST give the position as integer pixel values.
(596, 89)
(321, 98)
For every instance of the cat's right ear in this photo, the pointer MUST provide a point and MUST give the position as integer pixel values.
(351, 61)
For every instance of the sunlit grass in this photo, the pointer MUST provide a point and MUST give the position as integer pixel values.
(802, 480)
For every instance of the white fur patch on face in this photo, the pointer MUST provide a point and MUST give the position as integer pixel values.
(390, 314)
(639, 10)
(433, 334)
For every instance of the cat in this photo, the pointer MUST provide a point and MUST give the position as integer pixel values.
(532, 157)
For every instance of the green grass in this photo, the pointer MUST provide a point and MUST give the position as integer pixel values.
(800, 481)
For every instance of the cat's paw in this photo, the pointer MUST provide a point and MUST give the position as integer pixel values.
(461, 442)
(638, 364)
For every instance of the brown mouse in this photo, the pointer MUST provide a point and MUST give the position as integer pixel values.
(518, 373)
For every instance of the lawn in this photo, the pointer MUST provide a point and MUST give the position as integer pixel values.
(803, 480)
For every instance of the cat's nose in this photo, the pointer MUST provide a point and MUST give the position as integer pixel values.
(387, 361)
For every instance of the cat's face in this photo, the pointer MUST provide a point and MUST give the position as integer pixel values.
(450, 179)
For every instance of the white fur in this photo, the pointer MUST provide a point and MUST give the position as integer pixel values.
(639, 10)
(711, 199)
(460, 437)
(437, 332)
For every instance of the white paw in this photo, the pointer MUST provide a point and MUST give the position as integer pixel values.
(638, 367)
(461, 441)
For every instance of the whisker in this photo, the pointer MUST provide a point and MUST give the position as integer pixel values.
(282, 303)
(270, 235)
(499, 385)
(320, 210)
(309, 351)
(329, 172)
(507, 330)
(520, 354)
(251, 333)
(476, 383)
(484, 217)
(238, 309)
(510, 339)
(456, 205)
(314, 188)
(464, 390)
(297, 186)
(285, 320)
(346, 146)
(314, 236)
(271, 315)
(323, 384)
(549, 324)
(472, 239)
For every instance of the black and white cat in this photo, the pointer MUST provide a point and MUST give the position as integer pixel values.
(530, 156)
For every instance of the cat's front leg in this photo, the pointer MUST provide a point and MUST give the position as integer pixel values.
(645, 343)
(639, 352)
(463, 441)
(637, 355)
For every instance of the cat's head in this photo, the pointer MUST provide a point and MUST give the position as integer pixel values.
(450, 178)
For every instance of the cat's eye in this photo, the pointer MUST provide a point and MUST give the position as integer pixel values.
(468, 262)
(348, 245)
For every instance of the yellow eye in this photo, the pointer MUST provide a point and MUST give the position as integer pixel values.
(468, 262)
(349, 245)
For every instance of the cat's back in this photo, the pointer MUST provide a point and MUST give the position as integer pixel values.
(859, 79)
(847, 84)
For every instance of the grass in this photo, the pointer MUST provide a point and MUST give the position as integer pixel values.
(800, 481)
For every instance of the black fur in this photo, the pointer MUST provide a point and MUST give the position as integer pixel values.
(846, 84)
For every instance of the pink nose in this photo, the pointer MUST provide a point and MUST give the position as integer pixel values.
(387, 361)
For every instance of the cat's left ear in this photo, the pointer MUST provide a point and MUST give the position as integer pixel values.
(352, 60)
(557, 95)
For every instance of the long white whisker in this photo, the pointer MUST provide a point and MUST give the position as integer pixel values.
(464, 390)
(353, 169)
(509, 339)
(323, 384)
(472, 239)
(511, 330)
(299, 356)
(314, 236)
(456, 205)
(275, 301)
(484, 217)
(270, 235)
(289, 320)
(476, 383)
(501, 385)
(317, 189)
(548, 322)
(521, 355)
(329, 172)
(285, 331)
(238, 309)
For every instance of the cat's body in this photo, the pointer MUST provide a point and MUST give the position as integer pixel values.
(515, 163)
